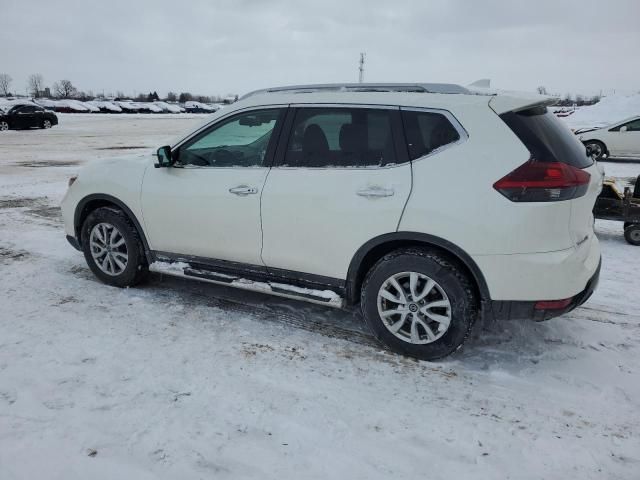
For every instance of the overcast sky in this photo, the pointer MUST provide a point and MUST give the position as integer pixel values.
(224, 46)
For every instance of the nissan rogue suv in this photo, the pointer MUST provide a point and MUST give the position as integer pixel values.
(428, 205)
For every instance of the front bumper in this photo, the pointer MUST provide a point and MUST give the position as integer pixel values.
(515, 310)
(74, 242)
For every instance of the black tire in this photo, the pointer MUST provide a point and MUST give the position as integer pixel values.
(632, 234)
(453, 281)
(597, 146)
(44, 124)
(137, 268)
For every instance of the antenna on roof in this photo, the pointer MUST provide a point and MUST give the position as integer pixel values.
(361, 67)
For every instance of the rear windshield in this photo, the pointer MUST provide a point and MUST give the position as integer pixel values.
(546, 137)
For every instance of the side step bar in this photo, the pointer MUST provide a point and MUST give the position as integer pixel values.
(328, 298)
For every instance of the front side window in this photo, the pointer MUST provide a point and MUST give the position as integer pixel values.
(426, 132)
(633, 126)
(241, 141)
(340, 137)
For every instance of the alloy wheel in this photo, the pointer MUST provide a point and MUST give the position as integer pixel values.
(108, 249)
(47, 124)
(4, 126)
(414, 307)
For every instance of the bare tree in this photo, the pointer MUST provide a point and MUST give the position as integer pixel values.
(5, 81)
(64, 89)
(172, 97)
(34, 84)
(542, 90)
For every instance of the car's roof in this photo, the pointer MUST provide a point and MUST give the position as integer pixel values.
(425, 95)
(431, 100)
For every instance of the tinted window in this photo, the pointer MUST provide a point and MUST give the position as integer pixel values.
(340, 137)
(241, 141)
(25, 109)
(427, 131)
(546, 137)
(633, 126)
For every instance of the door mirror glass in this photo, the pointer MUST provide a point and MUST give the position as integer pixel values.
(623, 129)
(164, 157)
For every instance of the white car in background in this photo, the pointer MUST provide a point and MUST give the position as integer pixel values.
(619, 140)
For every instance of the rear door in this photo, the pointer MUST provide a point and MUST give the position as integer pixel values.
(341, 177)
(627, 140)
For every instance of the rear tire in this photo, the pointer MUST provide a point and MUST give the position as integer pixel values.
(113, 249)
(4, 126)
(419, 303)
(632, 234)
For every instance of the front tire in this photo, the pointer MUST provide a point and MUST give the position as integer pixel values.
(46, 124)
(113, 249)
(632, 234)
(418, 303)
(597, 148)
(4, 126)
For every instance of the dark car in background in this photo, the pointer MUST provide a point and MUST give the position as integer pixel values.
(26, 116)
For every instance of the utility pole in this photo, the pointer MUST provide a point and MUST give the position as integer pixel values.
(361, 67)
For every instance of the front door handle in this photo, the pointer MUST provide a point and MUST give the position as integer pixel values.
(375, 192)
(243, 190)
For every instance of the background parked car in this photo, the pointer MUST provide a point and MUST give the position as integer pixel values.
(199, 107)
(26, 116)
(621, 139)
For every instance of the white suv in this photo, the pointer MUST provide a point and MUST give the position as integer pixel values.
(426, 204)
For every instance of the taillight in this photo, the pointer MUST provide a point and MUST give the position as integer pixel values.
(537, 181)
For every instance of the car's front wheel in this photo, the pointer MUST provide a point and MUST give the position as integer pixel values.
(46, 124)
(418, 303)
(596, 148)
(112, 248)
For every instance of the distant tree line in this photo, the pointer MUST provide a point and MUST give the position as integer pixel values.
(64, 89)
(569, 100)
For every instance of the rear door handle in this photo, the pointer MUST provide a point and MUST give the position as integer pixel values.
(243, 190)
(375, 192)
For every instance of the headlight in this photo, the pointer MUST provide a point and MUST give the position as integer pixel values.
(72, 180)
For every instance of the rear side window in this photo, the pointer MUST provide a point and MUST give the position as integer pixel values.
(340, 137)
(546, 137)
(426, 132)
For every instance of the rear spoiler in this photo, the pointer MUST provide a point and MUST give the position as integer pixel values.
(515, 101)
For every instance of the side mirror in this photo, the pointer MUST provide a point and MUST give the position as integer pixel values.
(164, 157)
(623, 129)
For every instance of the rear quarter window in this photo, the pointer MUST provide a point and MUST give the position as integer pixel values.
(426, 132)
(546, 137)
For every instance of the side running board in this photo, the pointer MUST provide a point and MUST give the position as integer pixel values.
(322, 297)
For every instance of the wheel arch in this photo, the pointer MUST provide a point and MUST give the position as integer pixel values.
(369, 253)
(97, 200)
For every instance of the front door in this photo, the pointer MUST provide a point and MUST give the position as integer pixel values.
(208, 203)
(340, 179)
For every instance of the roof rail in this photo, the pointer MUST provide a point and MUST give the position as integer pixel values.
(365, 87)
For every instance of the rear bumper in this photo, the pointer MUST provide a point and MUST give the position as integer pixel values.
(515, 310)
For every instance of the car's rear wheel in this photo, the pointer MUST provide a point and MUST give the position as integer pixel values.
(46, 124)
(4, 126)
(112, 248)
(598, 149)
(418, 303)
(632, 234)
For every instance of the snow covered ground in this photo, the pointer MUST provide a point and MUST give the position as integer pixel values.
(179, 379)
